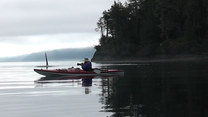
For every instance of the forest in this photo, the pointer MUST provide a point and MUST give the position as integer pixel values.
(150, 28)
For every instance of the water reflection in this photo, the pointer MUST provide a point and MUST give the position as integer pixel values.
(68, 81)
(148, 90)
(79, 81)
(158, 89)
(86, 80)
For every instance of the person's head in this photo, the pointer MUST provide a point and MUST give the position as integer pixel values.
(86, 59)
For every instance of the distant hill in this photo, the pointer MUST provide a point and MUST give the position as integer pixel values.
(59, 54)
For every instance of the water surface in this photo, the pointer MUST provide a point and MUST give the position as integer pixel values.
(176, 89)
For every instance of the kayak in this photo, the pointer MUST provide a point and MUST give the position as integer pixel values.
(78, 72)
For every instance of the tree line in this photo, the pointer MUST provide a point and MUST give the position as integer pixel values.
(147, 28)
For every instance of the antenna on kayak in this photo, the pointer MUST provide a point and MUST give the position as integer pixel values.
(46, 59)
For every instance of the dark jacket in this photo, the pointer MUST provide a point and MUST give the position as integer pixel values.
(87, 66)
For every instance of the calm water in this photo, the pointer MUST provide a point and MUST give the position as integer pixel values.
(146, 90)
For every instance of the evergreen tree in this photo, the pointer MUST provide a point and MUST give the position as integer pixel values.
(142, 28)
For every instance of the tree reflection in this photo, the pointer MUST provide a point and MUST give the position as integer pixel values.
(158, 90)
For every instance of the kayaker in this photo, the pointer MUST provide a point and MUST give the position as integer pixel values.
(87, 65)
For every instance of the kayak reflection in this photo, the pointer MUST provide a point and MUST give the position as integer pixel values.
(76, 81)
(86, 80)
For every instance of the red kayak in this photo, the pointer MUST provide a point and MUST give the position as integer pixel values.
(78, 72)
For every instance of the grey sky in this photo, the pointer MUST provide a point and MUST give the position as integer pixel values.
(25, 17)
(47, 24)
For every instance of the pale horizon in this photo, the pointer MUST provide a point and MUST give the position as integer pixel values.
(37, 43)
(43, 51)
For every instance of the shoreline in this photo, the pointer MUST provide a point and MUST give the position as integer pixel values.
(188, 58)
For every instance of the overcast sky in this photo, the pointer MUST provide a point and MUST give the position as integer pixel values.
(37, 25)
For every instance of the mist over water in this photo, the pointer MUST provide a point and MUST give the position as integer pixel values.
(146, 90)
